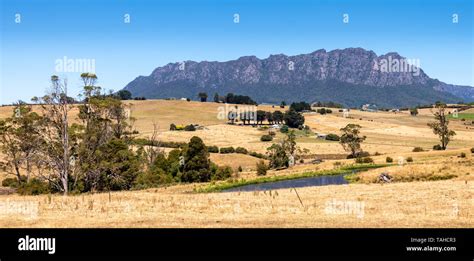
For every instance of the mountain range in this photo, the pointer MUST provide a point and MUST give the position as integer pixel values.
(351, 76)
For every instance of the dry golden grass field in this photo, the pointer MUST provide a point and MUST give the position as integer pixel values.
(416, 204)
(435, 190)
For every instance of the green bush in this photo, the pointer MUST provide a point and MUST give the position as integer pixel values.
(241, 150)
(333, 137)
(213, 149)
(266, 138)
(222, 173)
(151, 179)
(463, 155)
(472, 150)
(165, 144)
(189, 127)
(172, 144)
(388, 160)
(361, 154)
(361, 160)
(172, 127)
(322, 111)
(10, 182)
(261, 168)
(257, 155)
(226, 150)
(284, 129)
(409, 159)
(239, 169)
(418, 149)
(13, 182)
(34, 187)
(437, 147)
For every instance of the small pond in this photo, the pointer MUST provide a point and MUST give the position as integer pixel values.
(293, 183)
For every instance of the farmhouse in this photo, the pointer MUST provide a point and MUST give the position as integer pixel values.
(369, 107)
(321, 136)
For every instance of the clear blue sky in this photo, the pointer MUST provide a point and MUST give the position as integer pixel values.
(175, 30)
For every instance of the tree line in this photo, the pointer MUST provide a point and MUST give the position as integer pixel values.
(229, 98)
(93, 152)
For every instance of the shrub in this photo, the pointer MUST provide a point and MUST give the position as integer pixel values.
(241, 150)
(172, 127)
(323, 111)
(437, 147)
(222, 173)
(172, 144)
(418, 149)
(472, 150)
(226, 150)
(257, 155)
(361, 160)
(377, 153)
(10, 182)
(409, 159)
(34, 187)
(165, 144)
(333, 137)
(213, 149)
(271, 133)
(361, 154)
(190, 127)
(261, 168)
(152, 179)
(266, 138)
(239, 169)
(284, 129)
(463, 155)
(388, 160)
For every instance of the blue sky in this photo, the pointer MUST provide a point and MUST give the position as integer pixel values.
(176, 30)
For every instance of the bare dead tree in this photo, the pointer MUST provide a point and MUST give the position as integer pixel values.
(55, 133)
(153, 148)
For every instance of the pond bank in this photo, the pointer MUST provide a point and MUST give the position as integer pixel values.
(221, 186)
